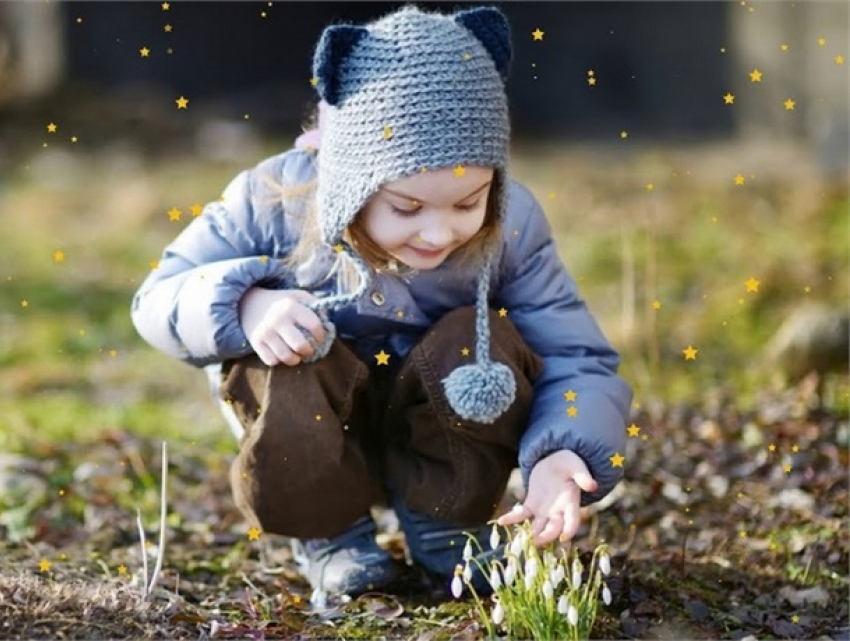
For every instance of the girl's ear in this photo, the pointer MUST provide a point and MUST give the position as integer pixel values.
(334, 46)
(490, 26)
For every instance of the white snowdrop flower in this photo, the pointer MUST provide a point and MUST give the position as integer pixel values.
(467, 573)
(562, 604)
(548, 590)
(577, 574)
(498, 613)
(549, 559)
(457, 584)
(605, 564)
(510, 572)
(495, 578)
(495, 538)
(319, 599)
(572, 615)
(531, 567)
(529, 582)
(518, 543)
(467, 551)
(606, 594)
(557, 575)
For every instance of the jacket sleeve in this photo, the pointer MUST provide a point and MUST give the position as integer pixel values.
(188, 306)
(545, 306)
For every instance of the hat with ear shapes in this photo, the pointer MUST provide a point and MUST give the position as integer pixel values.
(415, 90)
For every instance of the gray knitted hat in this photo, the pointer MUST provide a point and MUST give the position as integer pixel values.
(437, 82)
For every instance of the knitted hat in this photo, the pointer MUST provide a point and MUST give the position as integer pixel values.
(415, 90)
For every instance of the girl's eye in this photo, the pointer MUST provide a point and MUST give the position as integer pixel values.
(469, 207)
(403, 212)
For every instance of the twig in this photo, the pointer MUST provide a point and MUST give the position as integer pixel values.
(144, 548)
(162, 514)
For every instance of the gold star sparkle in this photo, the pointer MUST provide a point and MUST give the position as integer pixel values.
(44, 565)
(460, 170)
(167, 28)
(537, 34)
(789, 104)
(503, 312)
(739, 179)
(570, 396)
(144, 52)
(617, 459)
(755, 75)
(572, 411)
(254, 533)
(182, 102)
(383, 358)
(690, 353)
(839, 60)
(752, 284)
(633, 430)
(58, 256)
(656, 304)
(196, 209)
(174, 214)
(122, 569)
(388, 132)
(464, 351)
(729, 99)
(51, 128)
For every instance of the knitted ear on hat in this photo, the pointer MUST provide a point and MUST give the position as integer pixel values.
(334, 46)
(484, 391)
(491, 27)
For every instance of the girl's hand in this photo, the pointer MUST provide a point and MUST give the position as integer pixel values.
(270, 319)
(554, 493)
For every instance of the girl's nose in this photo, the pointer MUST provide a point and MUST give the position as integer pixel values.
(436, 236)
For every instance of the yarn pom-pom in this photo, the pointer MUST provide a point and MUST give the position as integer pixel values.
(480, 393)
(320, 349)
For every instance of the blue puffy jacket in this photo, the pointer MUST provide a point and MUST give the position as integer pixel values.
(188, 306)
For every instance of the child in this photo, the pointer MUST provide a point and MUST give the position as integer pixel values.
(403, 329)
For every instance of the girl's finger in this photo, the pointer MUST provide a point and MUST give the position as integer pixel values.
(572, 520)
(585, 481)
(553, 529)
(518, 514)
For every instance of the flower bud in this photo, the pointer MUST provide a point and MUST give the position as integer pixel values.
(498, 613)
(467, 573)
(576, 574)
(557, 575)
(467, 550)
(548, 590)
(518, 543)
(549, 559)
(495, 578)
(562, 604)
(605, 564)
(606, 594)
(531, 567)
(572, 615)
(457, 584)
(495, 538)
(510, 572)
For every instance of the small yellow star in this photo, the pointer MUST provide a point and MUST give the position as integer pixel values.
(839, 60)
(51, 128)
(503, 312)
(739, 179)
(821, 41)
(58, 255)
(122, 569)
(182, 102)
(79, 21)
(789, 105)
(690, 353)
(787, 468)
(25, 303)
(165, 6)
(73, 139)
(167, 28)
(338, 248)
(538, 35)
(464, 351)
(572, 411)
(784, 47)
(145, 52)
(570, 396)
(264, 259)
(196, 209)
(617, 459)
(388, 132)
(729, 99)
(772, 447)
(113, 353)
(318, 417)
(742, 534)
(44, 565)
(633, 430)
(656, 304)
(460, 170)
(383, 358)
(254, 533)
(795, 448)
(154, 264)
(752, 284)
(624, 134)
(795, 618)
(591, 81)
(174, 214)
(755, 75)
(650, 186)
(400, 313)
(466, 56)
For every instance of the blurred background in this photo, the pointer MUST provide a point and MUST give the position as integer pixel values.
(692, 158)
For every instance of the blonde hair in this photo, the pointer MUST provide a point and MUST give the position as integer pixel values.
(375, 257)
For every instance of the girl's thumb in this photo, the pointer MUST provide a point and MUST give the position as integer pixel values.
(585, 481)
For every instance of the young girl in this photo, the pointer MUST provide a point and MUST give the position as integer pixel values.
(385, 318)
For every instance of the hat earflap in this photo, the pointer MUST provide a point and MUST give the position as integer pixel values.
(490, 26)
(322, 305)
(484, 391)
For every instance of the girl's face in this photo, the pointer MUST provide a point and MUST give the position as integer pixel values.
(421, 219)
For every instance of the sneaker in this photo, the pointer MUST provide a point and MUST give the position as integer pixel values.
(437, 545)
(350, 563)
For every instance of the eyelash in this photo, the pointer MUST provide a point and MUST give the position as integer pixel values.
(410, 212)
